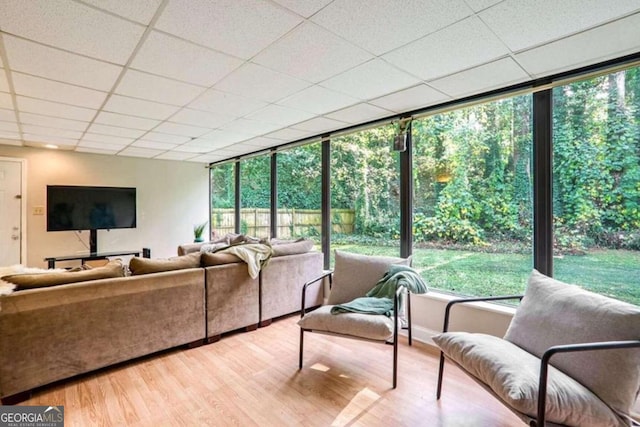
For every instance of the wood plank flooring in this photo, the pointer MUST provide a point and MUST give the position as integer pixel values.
(252, 379)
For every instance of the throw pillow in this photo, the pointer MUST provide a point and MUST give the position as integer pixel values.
(297, 247)
(211, 259)
(41, 280)
(354, 274)
(147, 265)
(554, 313)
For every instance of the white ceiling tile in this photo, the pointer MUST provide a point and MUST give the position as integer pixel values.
(163, 137)
(54, 64)
(201, 118)
(283, 116)
(371, 80)
(93, 150)
(115, 131)
(359, 113)
(71, 26)
(155, 88)
(501, 73)
(304, 8)
(7, 115)
(53, 132)
(249, 127)
(4, 83)
(311, 53)
(410, 99)
(226, 103)
(11, 127)
(318, 100)
(602, 43)
(205, 144)
(225, 137)
(478, 5)
(238, 27)
(49, 139)
(167, 55)
(108, 139)
(143, 143)
(54, 122)
(382, 25)
(175, 155)
(255, 81)
(5, 100)
(7, 138)
(54, 109)
(463, 45)
(101, 145)
(140, 152)
(37, 87)
(139, 107)
(233, 150)
(261, 141)
(287, 134)
(320, 124)
(191, 149)
(140, 10)
(526, 24)
(183, 130)
(121, 120)
(205, 158)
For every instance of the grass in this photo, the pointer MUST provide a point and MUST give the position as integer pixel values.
(614, 273)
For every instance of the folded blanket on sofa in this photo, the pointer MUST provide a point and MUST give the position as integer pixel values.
(379, 300)
(256, 255)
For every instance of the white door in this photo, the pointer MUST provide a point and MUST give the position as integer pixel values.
(10, 212)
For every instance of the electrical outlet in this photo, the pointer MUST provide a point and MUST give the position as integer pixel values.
(38, 210)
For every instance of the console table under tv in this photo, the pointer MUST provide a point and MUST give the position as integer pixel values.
(146, 253)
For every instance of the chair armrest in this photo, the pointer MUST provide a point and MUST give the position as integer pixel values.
(569, 348)
(311, 282)
(451, 303)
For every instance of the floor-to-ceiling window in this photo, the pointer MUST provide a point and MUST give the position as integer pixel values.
(596, 184)
(223, 194)
(365, 192)
(255, 196)
(472, 208)
(300, 192)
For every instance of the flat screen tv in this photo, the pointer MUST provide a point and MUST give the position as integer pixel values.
(71, 207)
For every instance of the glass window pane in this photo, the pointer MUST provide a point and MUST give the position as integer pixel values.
(255, 196)
(596, 184)
(472, 184)
(300, 192)
(365, 192)
(223, 195)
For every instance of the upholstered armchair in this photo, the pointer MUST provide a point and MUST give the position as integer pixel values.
(569, 356)
(353, 277)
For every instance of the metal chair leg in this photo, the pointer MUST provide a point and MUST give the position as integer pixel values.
(301, 348)
(440, 372)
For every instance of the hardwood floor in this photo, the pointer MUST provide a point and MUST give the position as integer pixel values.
(252, 379)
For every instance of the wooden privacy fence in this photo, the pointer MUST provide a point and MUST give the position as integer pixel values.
(291, 222)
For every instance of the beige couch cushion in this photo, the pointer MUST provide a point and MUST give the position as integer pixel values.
(139, 265)
(375, 327)
(354, 274)
(553, 313)
(292, 248)
(42, 280)
(210, 259)
(513, 374)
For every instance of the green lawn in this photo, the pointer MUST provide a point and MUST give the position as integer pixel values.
(610, 272)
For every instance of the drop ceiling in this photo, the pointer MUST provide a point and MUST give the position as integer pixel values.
(206, 80)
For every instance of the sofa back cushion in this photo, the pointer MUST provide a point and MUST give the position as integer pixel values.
(354, 274)
(209, 259)
(554, 313)
(41, 280)
(139, 265)
(300, 246)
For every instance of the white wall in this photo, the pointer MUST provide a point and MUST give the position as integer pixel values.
(171, 197)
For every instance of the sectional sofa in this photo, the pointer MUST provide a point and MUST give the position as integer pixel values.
(59, 331)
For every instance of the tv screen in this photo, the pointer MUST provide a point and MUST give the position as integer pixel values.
(90, 208)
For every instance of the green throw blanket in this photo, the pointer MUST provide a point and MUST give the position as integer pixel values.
(379, 300)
